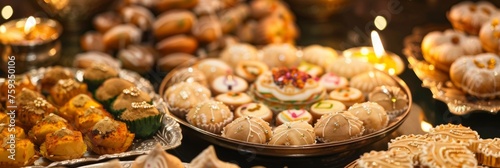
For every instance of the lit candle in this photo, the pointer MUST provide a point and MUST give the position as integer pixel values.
(29, 31)
(377, 56)
(34, 42)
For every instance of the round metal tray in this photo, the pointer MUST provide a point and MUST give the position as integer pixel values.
(292, 151)
(438, 82)
(169, 136)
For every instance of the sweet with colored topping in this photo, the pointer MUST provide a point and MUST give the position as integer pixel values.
(338, 126)
(234, 100)
(256, 110)
(293, 133)
(250, 70)
(326, 106)
(332, 81)
(289, 76)
(293, 115)
(248, 129)
(228, 83)
(347, 95)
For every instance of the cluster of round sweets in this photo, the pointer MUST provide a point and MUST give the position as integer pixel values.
(142, 33)
(443, 146)
(469, 52)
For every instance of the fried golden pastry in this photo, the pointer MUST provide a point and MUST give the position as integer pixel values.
(63, 144)
(34, 111)
(89, 118)
(25, 153)
(26, 96)
(6, 131)
(47, 125)
(65, 89)
(77, 106)
(19, 83)
(109, 136)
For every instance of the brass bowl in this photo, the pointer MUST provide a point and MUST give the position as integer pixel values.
(319, 149)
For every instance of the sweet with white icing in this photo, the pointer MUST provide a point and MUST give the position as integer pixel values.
(442, 48)
(470, 16)
(338, 126)
(445, 154)
(248, 129)
(373, 115)
(385, 159)
(477, 75)
(454, 133)
(210, 116)
(293, 133)
(348, 95)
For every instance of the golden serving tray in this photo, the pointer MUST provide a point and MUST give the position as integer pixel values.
(291, 151)
(438, 82)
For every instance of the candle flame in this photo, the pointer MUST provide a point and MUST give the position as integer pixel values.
(377, 45)
(29, 24)
(425, 126)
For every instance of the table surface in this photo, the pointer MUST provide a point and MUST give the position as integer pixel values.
(351, 28)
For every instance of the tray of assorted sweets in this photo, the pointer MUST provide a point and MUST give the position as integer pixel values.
(280, 100)
(65, 116)
(460, 64)
(446, 145)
